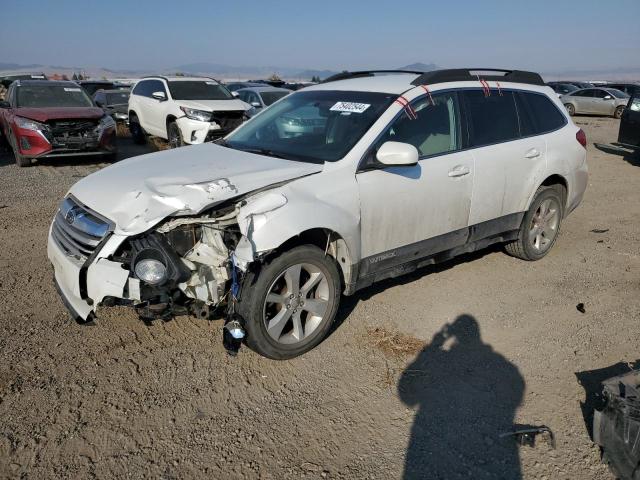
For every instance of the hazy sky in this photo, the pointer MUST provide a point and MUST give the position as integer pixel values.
(140, 34)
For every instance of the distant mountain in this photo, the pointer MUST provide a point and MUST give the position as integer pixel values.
(420, 67)
(16, 66)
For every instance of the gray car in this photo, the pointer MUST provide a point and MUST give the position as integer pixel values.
(598, 101)
(261, 97)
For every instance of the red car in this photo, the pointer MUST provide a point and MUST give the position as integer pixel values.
(50, 119)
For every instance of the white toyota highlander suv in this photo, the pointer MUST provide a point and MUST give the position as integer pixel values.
(384, 173)
(183, 110)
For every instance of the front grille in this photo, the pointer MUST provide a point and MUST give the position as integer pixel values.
(229, 120)
(76, 230)
(73, 134)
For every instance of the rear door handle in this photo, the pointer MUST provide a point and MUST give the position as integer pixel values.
(459, 171)
(533, 153)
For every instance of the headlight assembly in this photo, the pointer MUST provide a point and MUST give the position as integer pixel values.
(31, 125)
(194, 114)
(151, 271)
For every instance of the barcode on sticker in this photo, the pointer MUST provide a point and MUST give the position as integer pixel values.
(71, 89)
(350, 107)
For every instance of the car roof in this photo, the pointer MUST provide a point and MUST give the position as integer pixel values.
(106, 82)
(399, 83)
(49, 83)
(266, 88)
(179, 79)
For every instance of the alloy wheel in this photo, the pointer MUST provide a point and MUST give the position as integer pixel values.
(544, 225)
(296, 303)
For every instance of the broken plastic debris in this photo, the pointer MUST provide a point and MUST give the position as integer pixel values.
(525, 435)
(580, 308)
(600, 230)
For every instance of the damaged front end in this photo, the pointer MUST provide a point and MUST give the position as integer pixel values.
(184, 266)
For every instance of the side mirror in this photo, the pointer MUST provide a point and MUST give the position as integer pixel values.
(607, 97)
(256, 104)
(159, 96)
(397, 153)
(4, 104)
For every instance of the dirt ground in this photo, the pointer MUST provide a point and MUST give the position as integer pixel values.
(419, 378)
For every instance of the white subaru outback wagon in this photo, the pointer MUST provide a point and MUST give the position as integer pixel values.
(366, 176)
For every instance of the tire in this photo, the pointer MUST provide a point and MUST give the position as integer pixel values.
(174, 136)
(570, 109)
(279, 324)
(137, 133)
(539, 230)
(618, 112)
(20, 160)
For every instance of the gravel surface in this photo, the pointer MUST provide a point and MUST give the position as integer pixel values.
(419, 378)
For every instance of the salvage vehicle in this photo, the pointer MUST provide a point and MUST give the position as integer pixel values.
(114, 103)
(261, 97)
(562, 88)
(408, 169)
(628, 88)
(53, 119)
(599, 101)
(92, 86)
(8, 79)
(183, 110)
(629, 133)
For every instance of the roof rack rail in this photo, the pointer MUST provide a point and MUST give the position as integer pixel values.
(467, 74)
(364, 73)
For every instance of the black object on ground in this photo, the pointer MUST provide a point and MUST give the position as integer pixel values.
(580, 307)
(616, 428)
(600, 230)
(526, 435)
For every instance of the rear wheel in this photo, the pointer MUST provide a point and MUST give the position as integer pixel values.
(137, 133)
(175, 136)
(618, 112)
(289, 305)
(540, 226)
(570, 108)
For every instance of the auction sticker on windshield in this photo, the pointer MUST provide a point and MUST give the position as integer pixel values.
(72, 90)
(350, 107)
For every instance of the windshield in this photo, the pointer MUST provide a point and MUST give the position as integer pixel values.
(117, 98)
(42, 96)
(271, 97)
(565, 88)
(617, 93)
(198, 90)
(314, 126)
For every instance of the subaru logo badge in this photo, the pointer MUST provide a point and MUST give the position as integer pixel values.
(70, 217)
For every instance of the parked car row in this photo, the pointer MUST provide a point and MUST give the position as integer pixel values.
(599, 101)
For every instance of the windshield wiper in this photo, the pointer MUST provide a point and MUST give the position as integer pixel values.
(267, 152)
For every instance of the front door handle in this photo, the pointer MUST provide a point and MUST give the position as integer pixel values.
(459, 171)
(533, 153)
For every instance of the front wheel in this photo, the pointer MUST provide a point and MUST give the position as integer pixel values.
(540, 226)
(570, 109)
(289, 305)
(137, 133)
(175, 136)
(618, 112)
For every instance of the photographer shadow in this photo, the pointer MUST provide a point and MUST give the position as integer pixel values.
(466, 395)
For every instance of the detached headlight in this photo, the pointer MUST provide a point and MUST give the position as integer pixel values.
(194, 114)
(151, 271)
(31, 125)
(107, 122)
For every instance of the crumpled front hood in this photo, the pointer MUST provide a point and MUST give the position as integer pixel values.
(140, 192)
(60, 113)
(214, 105)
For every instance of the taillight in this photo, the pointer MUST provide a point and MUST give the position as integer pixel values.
(581, 137)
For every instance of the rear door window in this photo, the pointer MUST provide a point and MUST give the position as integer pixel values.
(537, 114)
(493, 118)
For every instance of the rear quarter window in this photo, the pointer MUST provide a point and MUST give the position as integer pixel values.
(493, 118)
(538, 114)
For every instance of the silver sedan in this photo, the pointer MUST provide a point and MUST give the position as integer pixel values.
(599, 101)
